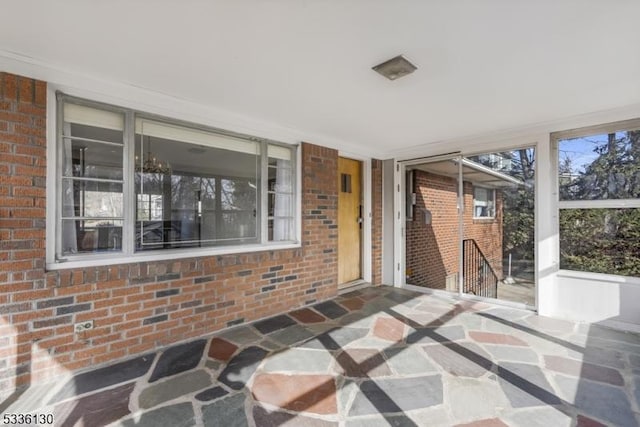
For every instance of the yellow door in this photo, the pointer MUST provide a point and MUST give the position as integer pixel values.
(349, 220)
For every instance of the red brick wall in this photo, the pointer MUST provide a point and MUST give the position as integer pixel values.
(376, 222)
(432, 250)
(140, 306)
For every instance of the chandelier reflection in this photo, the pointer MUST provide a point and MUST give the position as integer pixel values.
(150, 163)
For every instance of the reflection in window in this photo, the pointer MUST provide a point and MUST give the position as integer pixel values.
(484, 202)
(194, 195)
(182, 186)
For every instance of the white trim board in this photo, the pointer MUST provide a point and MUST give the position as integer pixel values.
(143, 99)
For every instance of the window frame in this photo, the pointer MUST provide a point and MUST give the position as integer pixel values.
(492, 191)
(128, 253)
(555, 138)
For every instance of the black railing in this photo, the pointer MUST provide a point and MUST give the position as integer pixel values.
(479, 277)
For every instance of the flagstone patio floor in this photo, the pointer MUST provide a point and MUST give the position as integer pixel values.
(373, 357)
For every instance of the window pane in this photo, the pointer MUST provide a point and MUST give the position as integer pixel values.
(92, 159)
(92, 123)
(192, 195)
(600, 167)
(499, 255)
(280, 200)
(281, 229)
(86, 236)
(92, 199)
(600, 240)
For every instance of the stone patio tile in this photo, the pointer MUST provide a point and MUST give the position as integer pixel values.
(471, 306)
(335, 339)
(273, 324)
(487, 422)
(347, 388)
(388, 328)
(98, 409)
(463, 359)
(361, 363)
(291, 335)
(599, 356)
(408, 361)
(174, 387)
(227, 412)
(178, 359)
(180, 415)
(493, 338)
(381, 421)
(104, 377)
(549, 324)
(604, 333)
(634, 359)
(330, 309)
(241, 367)
(583, 421)
(583, 370)
(406, 299)
(306, 315)
(525, 385)
(264, 418)
(436, 416)
(512, 354)
(596, 400)
(415, 318)
(540, 417)
(221, 349)
(469, 320)
(438, 309)
(377, 306)
(353, 304)
(357, 320)
(242, 335)
(509, 314)
(440, 334)
(372, 342)
(480, 397)
(302, 393)
(395, 395)
(211, 394)
(299, 360)
(269, 344)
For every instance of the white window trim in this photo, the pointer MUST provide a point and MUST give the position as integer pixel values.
(473, 207)
(128, 254)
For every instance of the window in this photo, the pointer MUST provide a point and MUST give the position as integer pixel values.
(484, 202)
(599, 198)
(130, 183)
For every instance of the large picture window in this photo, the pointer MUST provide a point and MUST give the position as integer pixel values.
(599, 198)
(130, 183)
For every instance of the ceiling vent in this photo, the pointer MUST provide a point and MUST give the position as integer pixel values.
(395, 68)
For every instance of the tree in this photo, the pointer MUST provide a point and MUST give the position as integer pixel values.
(603, 240)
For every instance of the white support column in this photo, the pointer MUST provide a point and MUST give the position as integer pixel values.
(546, 226)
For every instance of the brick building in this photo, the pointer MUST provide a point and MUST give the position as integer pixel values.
(433, 246)
(140, 306)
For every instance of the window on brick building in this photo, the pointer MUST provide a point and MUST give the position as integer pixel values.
(129, 183)
(484, 202)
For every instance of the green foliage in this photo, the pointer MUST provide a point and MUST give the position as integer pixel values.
(602, 240)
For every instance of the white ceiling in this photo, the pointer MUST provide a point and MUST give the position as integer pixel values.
(483, 65)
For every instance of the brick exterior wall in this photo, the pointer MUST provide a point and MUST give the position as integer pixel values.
(432, 250)
(376, 222)
(136, 307)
